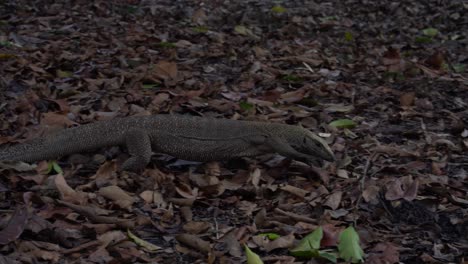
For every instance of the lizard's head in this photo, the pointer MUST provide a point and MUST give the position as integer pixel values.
(311, 144)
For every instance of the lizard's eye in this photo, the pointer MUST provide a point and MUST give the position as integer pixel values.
(304, 140)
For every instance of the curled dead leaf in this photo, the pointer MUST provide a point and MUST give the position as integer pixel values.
(194, 242)
(269, 245)
(119, 196)
(333, 201)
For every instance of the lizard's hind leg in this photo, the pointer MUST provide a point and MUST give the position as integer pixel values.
(139, 147)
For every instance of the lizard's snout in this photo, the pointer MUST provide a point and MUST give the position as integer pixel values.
(326, 154)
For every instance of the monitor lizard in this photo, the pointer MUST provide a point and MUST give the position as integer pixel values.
(188, 138)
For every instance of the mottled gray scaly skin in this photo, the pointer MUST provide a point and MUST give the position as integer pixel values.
(189, 138)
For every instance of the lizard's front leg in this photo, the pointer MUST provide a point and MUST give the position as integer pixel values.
(284, 149)
(139, 147)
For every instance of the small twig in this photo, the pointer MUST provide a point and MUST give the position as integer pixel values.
(296, 216)
(362, 181)
(216, 228)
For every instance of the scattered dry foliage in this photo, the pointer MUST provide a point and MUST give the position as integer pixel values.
(397, 69)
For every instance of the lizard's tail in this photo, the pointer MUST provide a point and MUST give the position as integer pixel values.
(74, 140)
(28, 152)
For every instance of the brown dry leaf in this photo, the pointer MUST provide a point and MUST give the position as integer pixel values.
(105, 172)
(292, 97)
(116, 104)
(255, 176)
(269, 245)
(213, 169)
(31, 249)
(154, 197)
(15, 226)
(231, 243)
(38, 69)
(119, 196)
(204, 180)
(394, 190)
(194, 242)
(194, 227)
(411, 188)
(384, 252)
(67, 193)
(186, 191)
(111, 237)
(436, 60)
(338, 108)
(404, 187)
(94, 214)
(199, 16)
(101, 254)
(56, 120)
(102, 83)
(294, 190)
(247, 207)
(392, 151)
(370, 194)
(342, 174)
(260, 218)
(331, 235)
(407, 99)
(166, 70)
(168, 215)
(333, 201)
(393, 61)
(148, 196)
(437, 168)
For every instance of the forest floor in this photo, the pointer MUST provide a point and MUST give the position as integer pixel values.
(394, 74)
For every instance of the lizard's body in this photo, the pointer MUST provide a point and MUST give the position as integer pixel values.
(189, 138)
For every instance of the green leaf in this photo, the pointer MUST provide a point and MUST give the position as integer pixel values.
(6, 43)
(151, 85)
(328, 19)
(200, 29)
(423, 39)
(131, 9)
(331, 256)
(348, 36)
(430, 32)
(343, 123)
(142, 243)
(444, 66)
(278, 9)
(394, 75)
(242, 30)
(271, 236)
(246, 106)
(57, 167)
(52, 166)
(309, 245)
(64, 74)
(292, 78)
(348, 247)
(165, 44)
(459, 68)
(252, 258)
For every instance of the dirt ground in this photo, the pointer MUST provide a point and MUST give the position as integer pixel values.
(384, 82)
